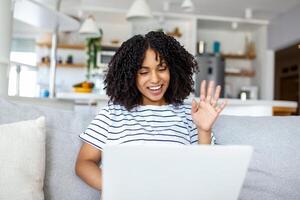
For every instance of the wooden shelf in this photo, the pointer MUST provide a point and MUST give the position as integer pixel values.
(62, 46)
(74, 65)
(242, 73)
(238, 56)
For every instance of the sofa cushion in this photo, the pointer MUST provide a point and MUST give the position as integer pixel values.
(62, 146)
(22, 153)
(274, 171)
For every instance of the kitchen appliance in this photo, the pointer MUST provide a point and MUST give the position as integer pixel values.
(104, 57)
(244, 95)
(251, 91)
(211, 68)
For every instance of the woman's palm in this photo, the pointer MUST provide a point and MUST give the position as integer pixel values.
(205, 113)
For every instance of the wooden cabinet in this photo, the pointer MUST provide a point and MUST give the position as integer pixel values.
(284, 111)
(287, 74)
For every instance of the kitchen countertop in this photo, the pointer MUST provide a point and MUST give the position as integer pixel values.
(92, 97)
(81, 96)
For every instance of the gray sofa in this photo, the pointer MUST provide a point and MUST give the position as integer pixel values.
(274, 172)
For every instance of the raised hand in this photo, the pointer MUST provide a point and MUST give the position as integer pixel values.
(205, 112)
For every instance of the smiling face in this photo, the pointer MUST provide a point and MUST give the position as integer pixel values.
(153, 79)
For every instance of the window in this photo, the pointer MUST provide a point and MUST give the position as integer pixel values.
(23, 70)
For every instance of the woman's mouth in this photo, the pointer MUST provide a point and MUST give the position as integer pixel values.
(155, 90)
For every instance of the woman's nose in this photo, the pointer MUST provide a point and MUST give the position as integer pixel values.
(154, 77)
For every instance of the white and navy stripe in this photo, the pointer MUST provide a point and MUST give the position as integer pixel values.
(143, 125)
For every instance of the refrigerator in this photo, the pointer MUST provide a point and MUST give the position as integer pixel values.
(211, 67)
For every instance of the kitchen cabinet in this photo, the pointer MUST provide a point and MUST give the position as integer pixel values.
(284, 111)
(287, 74)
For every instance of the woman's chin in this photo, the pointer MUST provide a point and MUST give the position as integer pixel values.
(154, 100)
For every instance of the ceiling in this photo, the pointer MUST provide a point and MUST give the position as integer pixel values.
(262, 9)
(113, 11)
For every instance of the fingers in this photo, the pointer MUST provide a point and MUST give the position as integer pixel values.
(216, 97)
(217, 92)
(203, 90)
(210, 95)
(210, 91)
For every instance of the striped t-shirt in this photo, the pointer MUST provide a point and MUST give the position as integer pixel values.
(147, 124)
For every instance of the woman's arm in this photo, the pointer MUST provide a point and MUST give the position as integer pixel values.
(87, 166)
(204, 137)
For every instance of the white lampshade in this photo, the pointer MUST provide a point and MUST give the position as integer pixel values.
(139, 10)
(234, 25)
(248, 13)
(187, 5)
(89, 28)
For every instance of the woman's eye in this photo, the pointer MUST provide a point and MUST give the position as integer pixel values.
(143, 72)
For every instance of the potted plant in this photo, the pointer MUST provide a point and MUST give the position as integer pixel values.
(93, 46)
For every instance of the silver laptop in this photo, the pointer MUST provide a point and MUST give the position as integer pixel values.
(174, 172)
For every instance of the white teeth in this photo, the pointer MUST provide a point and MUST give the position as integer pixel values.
(155, 88)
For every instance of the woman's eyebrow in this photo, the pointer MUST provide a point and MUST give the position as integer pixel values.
(162, 62)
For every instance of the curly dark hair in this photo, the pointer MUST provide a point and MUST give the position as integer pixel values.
(120, 80)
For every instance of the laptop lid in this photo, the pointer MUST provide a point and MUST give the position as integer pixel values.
(174, 172)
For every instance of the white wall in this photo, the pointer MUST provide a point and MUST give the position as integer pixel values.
(268, 87)
(259, 63)
(231, 41)
(112, 31)
(284, 30)
(5, 40)
(264, 65)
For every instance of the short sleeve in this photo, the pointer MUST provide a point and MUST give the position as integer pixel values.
(97, 131)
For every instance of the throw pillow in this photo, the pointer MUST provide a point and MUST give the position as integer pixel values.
(22, 155)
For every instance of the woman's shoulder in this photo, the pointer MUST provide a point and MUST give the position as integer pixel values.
(113, 108)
